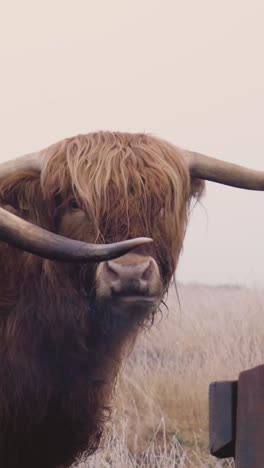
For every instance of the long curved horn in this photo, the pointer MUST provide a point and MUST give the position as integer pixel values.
(205, 167)
(200, 166)
(27, 236)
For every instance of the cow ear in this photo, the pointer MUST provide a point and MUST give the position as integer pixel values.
(197, 187)
(22, 192)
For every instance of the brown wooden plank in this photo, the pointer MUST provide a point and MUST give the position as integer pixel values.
(250, 419)
(222, 418)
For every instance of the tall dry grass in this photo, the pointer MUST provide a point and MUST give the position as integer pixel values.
(161, 417)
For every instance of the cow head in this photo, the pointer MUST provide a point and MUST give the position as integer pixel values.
(110, 187)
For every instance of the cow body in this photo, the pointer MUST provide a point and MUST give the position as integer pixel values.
(65, 328)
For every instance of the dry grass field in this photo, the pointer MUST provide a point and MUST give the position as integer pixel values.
(160, 416)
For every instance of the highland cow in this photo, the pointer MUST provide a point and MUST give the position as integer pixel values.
(66, 324)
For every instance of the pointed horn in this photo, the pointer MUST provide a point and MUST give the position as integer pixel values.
(205, 167)
(26, 236)
(28, 161)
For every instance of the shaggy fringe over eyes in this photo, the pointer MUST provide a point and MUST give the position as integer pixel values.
(129, 185)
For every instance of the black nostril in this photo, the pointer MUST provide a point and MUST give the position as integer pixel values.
(147, 272)
(111, 273)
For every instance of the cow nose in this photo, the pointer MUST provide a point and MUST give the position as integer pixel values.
(129, 278)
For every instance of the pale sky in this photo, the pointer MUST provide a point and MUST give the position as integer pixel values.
(191, 72)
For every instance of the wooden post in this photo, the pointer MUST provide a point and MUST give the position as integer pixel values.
(236, 419)
(250, 419)
(222, 418)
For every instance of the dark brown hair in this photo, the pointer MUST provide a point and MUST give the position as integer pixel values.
(59, 352)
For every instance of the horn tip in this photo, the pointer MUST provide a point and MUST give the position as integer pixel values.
(142, 240)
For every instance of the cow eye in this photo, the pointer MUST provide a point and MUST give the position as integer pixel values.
(74, 204)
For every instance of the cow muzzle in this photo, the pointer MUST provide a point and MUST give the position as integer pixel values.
(128, 283)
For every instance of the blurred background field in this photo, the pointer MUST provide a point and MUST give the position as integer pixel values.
(160, 416)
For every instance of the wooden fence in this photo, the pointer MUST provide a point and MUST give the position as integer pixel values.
(236, 419)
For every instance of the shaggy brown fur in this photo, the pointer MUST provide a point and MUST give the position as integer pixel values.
(59, 350)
